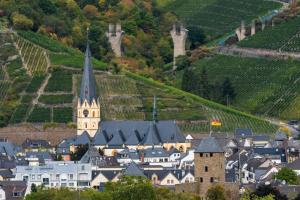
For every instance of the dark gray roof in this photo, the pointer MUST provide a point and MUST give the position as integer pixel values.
(64, 146)
(29, 143)
(82, 139)
(6, 173)
(209, 145)
(133, 170)
(117, 139)
(88, 84)
(136, 131)
(155, 152)
(10, 187)
(152, 136)
(93, 156)
(40, 155)
(294, 165)
(260, 138)
(7, 148)
(280, 136)
(243, 132)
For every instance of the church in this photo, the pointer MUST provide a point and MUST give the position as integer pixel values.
(115, 136)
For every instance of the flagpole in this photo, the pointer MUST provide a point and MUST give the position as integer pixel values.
(209, 128)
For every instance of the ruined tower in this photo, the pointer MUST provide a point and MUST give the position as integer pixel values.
(88, 106)
(115, 36)
(253, 27)
(179, 35)
(209, 164)
(241, 31)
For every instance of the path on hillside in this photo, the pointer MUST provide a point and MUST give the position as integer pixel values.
(257, 53)
(40, 91)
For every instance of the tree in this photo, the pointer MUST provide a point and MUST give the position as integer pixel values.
(264, 190)
(33, 188)
(182, 62)
(287, 175)
(47, 6)
(188, 80)
(204, 88)
(131, 188)
(216, 192)
(21, 22)
(91, 11)
(228, 93)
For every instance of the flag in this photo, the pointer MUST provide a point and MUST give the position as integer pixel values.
(216, 122)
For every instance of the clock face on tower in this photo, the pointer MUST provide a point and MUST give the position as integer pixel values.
(85, 113)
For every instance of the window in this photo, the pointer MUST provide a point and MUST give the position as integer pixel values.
(82, 167)
(166, 159)
(206, 169)
(168, 181)
(39, 177)
(211, 154)
(17, 194)
(71, 176)
(57, 176)
(46, 181)
(71, 184)
(201, 180)
(63, 184)
(32, 176)
(85, 125)
(172, 181)
(211, 179)
(206, 155)
(201, 154)
(93, 113)
(25, 178)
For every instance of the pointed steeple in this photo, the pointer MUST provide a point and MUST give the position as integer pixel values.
(154, 111)
(88, 84)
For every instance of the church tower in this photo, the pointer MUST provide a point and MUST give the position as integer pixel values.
(88, 107)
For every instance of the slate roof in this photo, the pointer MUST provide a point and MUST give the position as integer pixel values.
(260, 138)
(137, 132)
(7, 148)
(64, 146)
(6, 173)
(280, 136)
(209, 145)
(93, 156)
(82, 139)
(109, 174)
(161, 174)
(271, 151)
(13, 186)
(42, 156)
(152, 136)
(242, 133)
(155, 152)
(29, 143)
(133, 170)
(294, 165)
(88, 84)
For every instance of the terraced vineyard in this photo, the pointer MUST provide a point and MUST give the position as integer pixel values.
(266, 87)
(284, 37)
(52, 98)
(218, 17)
(35, 58)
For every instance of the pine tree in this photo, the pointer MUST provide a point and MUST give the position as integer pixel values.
(228, 93)
(204, 85)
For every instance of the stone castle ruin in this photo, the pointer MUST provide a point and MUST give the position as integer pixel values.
(115, 36)
(179, 35)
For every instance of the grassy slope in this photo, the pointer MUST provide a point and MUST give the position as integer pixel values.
(218, 17)
(130, 97)
(262, 86)
(281, 36)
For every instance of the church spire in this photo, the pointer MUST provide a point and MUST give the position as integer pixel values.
(88, 85)
(154, 112)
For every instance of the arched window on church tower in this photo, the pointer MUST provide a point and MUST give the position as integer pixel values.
(85, 125)
(93, 113)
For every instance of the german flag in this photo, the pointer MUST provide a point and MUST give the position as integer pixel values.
(216, 122)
